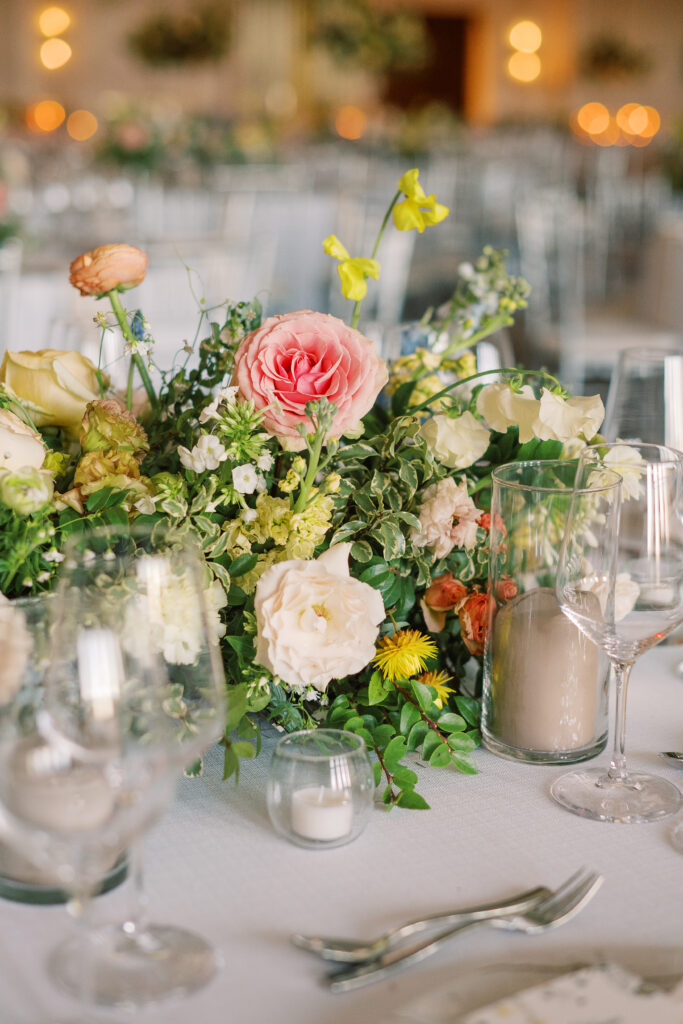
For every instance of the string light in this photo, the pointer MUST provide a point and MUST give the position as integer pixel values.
(633, 125)
(524, 65)
(81, 125)
(54, 53)
(350, 122)
(525, 36)
(45, 116)
(52, 21)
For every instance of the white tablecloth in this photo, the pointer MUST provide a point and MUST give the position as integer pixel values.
(215, 865)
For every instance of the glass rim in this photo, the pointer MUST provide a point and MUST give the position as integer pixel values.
(675, 453)
(603, 486)
(286, 747)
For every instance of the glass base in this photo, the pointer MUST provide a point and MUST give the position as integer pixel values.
(45, 895)
(107, 967)
(512, 753)
(640, 798)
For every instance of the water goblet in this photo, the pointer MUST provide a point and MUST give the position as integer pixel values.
(620, 580)
(136, 683)
(645, 397)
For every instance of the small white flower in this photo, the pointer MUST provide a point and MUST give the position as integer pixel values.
(502, 407)
(244, 478)
(42, 577)
(210, 411)
(248, 515)
(265, 462)
(53, 556)
(144, 505)
(229, 394)
(260, 483)
(208, 453)
(457, 442)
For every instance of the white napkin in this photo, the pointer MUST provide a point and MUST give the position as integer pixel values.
(595, 995)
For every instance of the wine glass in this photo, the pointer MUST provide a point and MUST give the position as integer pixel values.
(645, 397)
(135, 688)
(620, 580)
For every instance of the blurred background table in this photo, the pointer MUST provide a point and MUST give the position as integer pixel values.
(214, 864)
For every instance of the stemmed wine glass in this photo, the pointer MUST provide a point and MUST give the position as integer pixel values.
(135, 692)
(645, 397)
(620, 580)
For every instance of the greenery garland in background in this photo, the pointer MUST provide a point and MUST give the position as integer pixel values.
(190, 37)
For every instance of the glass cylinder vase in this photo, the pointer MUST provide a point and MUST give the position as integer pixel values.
(545, 693)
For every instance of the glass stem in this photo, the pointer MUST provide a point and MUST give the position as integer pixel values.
(617, 769)
(136, 911)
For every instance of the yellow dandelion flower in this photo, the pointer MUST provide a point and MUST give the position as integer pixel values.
(438, 680)
(404, 654)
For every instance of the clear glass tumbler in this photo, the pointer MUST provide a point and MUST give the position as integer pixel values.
(545, 692)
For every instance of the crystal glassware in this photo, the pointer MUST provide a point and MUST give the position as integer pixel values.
(620, 580)
(136, 692)
(645, 397)
(320, 787)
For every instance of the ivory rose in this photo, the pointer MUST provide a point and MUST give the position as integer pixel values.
(19, 445)
(303, 356)
(54, 385)
(108, 267)
(315, 622)
(456, 441)
(448, 518)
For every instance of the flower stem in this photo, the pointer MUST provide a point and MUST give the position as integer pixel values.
(313, 463)
(475, 376)
(356, 309)
(136, 358)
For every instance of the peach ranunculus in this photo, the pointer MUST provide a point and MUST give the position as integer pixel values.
(54, 385)
(304, 356)
(315, 622)
(448, 518)
(19, 445)
(107, 267)
(506, 590)
(473, 616)
(444, 594)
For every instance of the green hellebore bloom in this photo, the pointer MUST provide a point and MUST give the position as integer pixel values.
(353, 271)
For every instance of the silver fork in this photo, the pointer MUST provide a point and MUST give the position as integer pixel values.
(353, 951)
(559, 907)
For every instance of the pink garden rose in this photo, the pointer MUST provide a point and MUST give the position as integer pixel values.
(303, 356)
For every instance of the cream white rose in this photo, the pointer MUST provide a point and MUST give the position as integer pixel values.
(54, 385)
(457, 442)
(560, 419)
(19, 445)
(502, 407)
(448, 518)
(315, 622)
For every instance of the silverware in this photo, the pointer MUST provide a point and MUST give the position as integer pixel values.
(351, 951)
(673, 755)
(559, 907)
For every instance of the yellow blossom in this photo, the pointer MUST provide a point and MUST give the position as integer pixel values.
(353, 271)
(417, 210)
(404, 654)
(438, 681)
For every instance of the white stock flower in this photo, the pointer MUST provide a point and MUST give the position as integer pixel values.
(245, 478)
(210, 411)
(501, 407)
(561, 419)
(448, 518)
(457, 442)
(630, 465)
(208, 453)
(265, 462)
(315, 622)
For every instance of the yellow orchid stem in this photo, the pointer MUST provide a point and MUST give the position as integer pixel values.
(356, 309)
(136, 359)
(475, 376)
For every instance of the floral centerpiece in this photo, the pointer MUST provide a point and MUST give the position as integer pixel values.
(342, 505)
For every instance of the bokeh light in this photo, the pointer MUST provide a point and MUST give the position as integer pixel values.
(81, 125)
(52, 21)
(593, 118)
(45, 116)
(54, 53)
(350, 122)
(525, 36)
(524, 67)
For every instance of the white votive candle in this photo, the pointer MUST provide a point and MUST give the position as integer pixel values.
(321, 813)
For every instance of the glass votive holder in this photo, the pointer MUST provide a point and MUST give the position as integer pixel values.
(320, 787)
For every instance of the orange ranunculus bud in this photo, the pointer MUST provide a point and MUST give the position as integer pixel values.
(473, 617)
(445, 592)
(485, 523)
(506, 590)
(108, 267)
